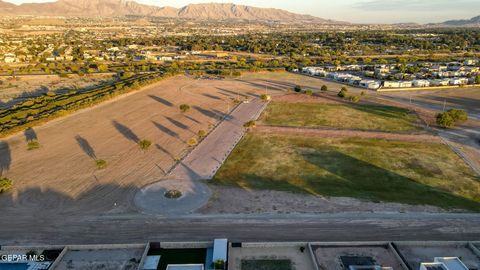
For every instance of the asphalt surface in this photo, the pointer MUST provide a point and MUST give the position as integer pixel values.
(326, 227)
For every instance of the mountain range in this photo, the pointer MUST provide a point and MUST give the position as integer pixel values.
(473, 22)
(110, 8)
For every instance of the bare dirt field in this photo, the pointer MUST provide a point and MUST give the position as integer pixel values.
(61, 175)
(13, 90)
(251, 201)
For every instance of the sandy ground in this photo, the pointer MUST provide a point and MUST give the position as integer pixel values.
(13, 91)
(200, 164)
(279, 202)
(62, 177)
(63, 169)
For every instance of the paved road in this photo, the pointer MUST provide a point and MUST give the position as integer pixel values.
(200, 164)
(327, 227)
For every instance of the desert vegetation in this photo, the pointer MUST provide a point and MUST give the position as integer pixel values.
(372, 169)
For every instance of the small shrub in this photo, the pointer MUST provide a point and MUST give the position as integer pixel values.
(5, 184)
(363, 93)
(265, 97)
(445, 120)
(308, 92)
(50, 94)
(458, 115)
(101, 164)
(354, 99)
(342, 93)
(324, 88)
(184, 108)
(144, 144)
(173, 194)
(32, 145)
(250, 124)
(219, 265)
(297, 89)
(192, 142)
(451, 117)
(202, 133)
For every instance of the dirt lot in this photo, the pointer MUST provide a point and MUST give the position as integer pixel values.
(14, 90)
(62, 177)
(251, 201)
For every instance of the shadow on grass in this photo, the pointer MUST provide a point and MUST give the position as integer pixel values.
(367, 181)
(382, 111)
(339, 175)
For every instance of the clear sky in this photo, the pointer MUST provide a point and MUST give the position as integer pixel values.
(359, 11)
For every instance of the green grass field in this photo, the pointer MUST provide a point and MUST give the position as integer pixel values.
(375, 170)
(361, 117)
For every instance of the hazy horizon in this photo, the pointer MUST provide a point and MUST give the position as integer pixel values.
(356, 11)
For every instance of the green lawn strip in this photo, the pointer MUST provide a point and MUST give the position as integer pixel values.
(362, 117)
(375, 170)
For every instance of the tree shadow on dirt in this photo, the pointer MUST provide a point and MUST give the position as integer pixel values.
(5, 157)
(205, 112)
(166, 130)
(161, 100)
(177, 123)
(126, 132)
(211, 96)
(30, 135)
(86, 147)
